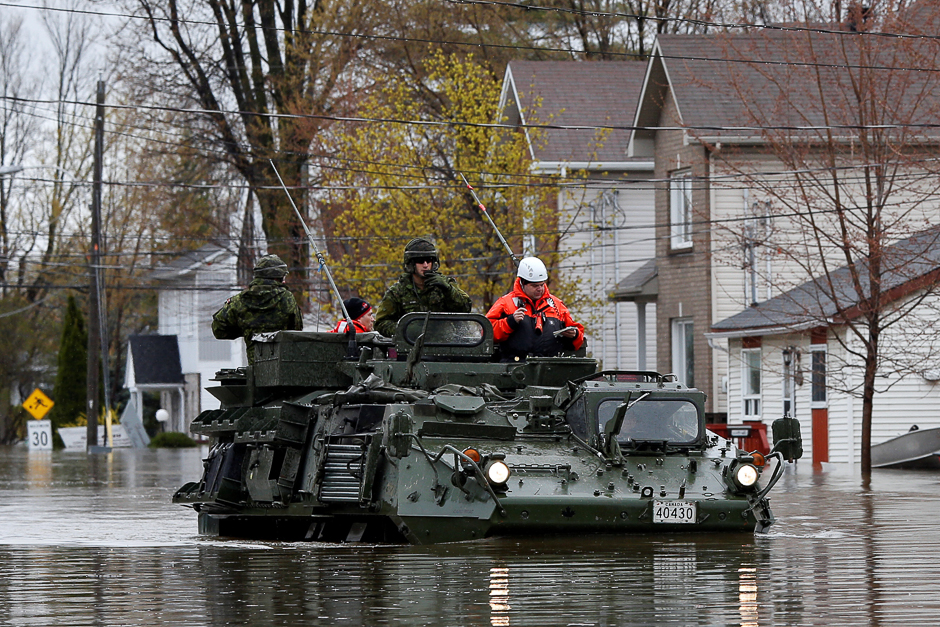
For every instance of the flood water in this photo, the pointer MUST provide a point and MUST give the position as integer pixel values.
(95, 540)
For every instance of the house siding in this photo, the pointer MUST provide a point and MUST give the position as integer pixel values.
(612, 226)
(729, 276)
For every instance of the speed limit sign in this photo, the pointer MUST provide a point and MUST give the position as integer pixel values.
(39, 434)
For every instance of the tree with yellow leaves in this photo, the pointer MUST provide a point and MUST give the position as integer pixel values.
(399, 177)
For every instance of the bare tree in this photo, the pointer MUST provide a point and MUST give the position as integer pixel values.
(32, 212)
(17, 127)
(609, 29)
(65, 158)
(257, 80)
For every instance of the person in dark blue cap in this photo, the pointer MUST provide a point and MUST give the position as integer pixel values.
(361, 313)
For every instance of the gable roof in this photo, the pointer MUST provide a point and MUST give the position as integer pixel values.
(576, 94)
(733, 87)
(913, 263)
(189, 261)
(154, 360)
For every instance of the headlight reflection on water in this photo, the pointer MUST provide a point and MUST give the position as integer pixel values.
(747, 596)
(499, 596)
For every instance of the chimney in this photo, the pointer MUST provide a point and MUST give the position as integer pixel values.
(858, 17)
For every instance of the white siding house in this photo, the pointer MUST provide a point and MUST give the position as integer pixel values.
(747, 207)
(795, 354)
(192, 288)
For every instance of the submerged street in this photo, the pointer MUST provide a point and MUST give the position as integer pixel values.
(95, 540)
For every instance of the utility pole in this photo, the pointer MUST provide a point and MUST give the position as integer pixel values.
(97, 327)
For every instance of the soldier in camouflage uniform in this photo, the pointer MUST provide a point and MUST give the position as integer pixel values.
(266, 306)
(420, 288)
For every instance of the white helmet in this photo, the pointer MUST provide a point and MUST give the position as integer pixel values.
(532, 269)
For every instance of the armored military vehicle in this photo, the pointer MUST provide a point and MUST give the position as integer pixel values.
(430, 438)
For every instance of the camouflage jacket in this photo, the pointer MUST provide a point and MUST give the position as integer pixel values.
(404, 297)
(264, 307)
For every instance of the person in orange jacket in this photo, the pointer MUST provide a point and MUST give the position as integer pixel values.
(529, 321)
(361, 313)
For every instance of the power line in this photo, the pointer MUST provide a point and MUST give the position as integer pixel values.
(840, 31)
(497, 125)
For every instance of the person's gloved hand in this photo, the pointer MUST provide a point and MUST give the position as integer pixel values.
(437, 280)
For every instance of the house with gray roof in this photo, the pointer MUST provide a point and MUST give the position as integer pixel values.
(803, 350)
(582, 111)
(725, 117)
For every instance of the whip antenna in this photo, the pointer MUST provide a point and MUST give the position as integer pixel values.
(316, 249)
(493, 224)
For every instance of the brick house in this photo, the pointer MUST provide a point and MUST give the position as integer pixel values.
(670, 99)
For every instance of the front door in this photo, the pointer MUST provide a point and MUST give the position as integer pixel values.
(820, 436)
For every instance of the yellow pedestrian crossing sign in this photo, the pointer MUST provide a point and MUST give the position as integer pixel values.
(38, 404)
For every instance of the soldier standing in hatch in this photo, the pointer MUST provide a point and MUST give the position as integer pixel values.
(420, 288)
(266, 306)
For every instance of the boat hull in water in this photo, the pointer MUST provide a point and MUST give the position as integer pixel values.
(918, 449)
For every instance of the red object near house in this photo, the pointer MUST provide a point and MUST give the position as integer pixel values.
(750, 436)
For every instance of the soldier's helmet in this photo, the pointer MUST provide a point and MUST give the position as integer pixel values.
(418, 250)
(270, 267)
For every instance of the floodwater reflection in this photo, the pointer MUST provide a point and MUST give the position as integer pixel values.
(94, 540)
(499, 596)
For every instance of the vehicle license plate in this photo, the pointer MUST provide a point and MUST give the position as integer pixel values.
(673, 512)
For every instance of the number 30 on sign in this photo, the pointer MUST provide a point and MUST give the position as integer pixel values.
(39, 434)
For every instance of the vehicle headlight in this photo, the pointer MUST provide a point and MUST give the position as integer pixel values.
(497, 472)
(746, 475)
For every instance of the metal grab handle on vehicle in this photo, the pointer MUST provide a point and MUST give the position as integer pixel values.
(477, 471)
(775, 477)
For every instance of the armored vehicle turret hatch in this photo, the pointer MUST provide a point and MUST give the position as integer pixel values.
(425, 438)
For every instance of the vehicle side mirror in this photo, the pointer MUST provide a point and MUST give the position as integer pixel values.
(787, 438)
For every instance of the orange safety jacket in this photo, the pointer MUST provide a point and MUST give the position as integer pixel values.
(341, 327)
(535, 334)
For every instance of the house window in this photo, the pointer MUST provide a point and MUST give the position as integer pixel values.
(819, 376)
(750, 386)
(680, 209)
(683, 356)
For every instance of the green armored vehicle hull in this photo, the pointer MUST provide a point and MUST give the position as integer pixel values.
(428, 439)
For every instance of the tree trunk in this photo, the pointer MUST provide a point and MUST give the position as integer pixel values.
(868, 394)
